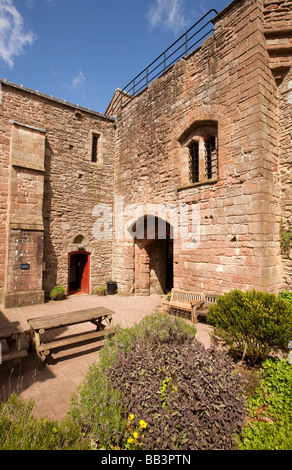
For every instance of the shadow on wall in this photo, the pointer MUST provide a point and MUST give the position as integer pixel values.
(50, 258)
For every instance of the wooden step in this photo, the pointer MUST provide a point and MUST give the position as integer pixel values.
(45, 347)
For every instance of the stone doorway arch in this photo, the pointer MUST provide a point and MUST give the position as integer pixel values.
(78, 272)
(153, 258)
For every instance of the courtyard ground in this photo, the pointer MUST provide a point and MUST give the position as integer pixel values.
(66, 368)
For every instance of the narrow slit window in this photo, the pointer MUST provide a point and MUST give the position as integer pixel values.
(194, 162)
(210, 158)
(94, 151)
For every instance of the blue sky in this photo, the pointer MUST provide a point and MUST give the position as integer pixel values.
(82, 50)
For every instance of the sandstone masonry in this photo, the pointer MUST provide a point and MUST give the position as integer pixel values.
(214, 132)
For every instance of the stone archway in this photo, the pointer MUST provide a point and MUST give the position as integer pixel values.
(78, 272)
(153, 260)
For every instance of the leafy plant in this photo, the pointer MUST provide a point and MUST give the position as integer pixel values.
(21, 430)
(190, 398)
(168, 296)
(97, 406)
(156, 328)
(97, 409)
(57, 293)
(101, 290)
(252, 323)
(270, 410)
(286, 295)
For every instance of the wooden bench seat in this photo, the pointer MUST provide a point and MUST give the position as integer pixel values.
(57, 343)
(184, 300)
(11, 355)
(12, 334)
(209, 299)
(101, 317)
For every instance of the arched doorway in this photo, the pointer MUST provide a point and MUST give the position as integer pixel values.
(79, 273)
(153, 258)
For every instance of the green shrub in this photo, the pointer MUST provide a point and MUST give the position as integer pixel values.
(101, 290)
(168, 296)
(57, 293)
(97, 409)
(189, 397)
(21, 430)
(252, 323)
(270, 410)
(286, 295)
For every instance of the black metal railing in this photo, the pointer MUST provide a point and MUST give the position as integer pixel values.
(185, 44)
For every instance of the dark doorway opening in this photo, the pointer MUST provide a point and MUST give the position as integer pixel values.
(153, 256)
(169, 264)
(79, 270)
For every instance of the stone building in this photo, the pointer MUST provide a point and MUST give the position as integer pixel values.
(87, 197)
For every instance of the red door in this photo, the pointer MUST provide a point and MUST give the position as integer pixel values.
(84, 273)
(79, 273)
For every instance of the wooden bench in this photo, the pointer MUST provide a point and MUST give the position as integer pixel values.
(209, 299)
(184, 300)
(40, 325)
(12, 334)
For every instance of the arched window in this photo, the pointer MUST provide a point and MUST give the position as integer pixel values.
(202, 143)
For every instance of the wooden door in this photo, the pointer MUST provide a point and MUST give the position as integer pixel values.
(84, 270)
(79, 273)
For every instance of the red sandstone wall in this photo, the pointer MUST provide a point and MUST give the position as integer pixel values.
(72, 184)
(228, 80)
(4, 189)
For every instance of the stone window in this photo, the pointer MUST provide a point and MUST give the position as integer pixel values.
(194, 162)
(203, 159)
(211, 157)
(94, 150)
(200, 143)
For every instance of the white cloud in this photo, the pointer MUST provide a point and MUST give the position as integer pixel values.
(13, 37)
(169, 13)
(76, 81)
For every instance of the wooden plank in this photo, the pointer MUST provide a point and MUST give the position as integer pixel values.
(69, 318)
(10, 329)
(74, 339)
(179, 305)
(14, 355)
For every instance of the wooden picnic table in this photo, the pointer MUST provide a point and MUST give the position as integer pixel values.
(101, 317)
(12, 334)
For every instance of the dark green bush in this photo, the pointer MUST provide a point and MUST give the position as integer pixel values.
(190, 398)
(252, 323)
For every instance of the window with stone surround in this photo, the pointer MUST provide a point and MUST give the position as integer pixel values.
(200, 143)
(194, 162)
(94, 149)
(211, 157)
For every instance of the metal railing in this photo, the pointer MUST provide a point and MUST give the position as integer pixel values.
(181, 47)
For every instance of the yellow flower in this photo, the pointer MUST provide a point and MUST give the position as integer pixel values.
(130, 440)
(142, 424)
(136, 435)
(131, 417)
